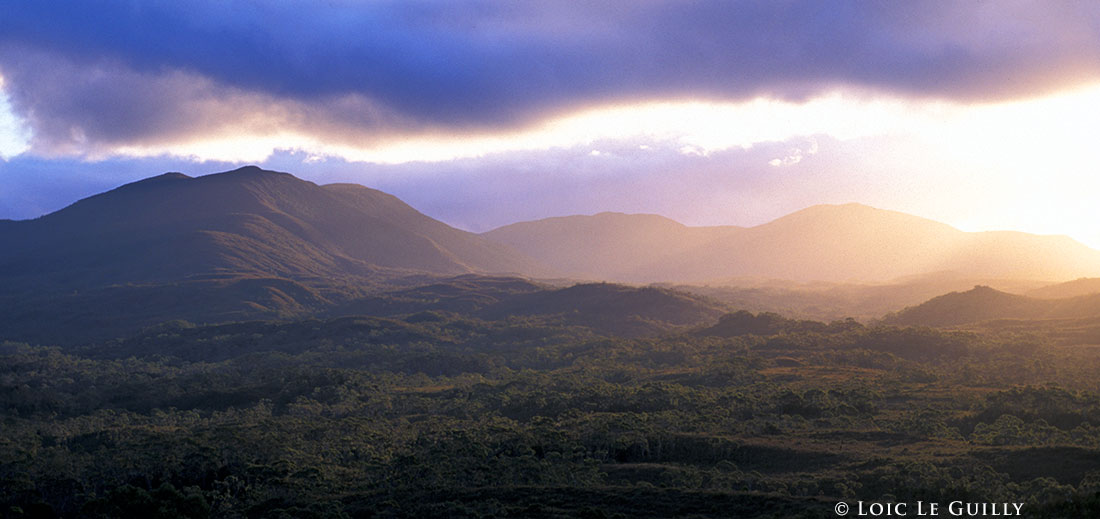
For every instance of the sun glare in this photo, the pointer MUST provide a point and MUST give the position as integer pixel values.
(1033, 157)
(690, 126)
(1062, 123)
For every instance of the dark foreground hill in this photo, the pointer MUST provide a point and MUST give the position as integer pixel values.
(602, 307)
(244, 244)
(245, 222)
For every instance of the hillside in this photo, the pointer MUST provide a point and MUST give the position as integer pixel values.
(610, 246)
(245, 222)
(1077, 287)
(611, 309)
(825, 301)
(462, 294)
(836, 243)
(243, 244)
(983, 304)
(602, 307)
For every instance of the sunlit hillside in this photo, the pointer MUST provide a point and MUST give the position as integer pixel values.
(838, 243)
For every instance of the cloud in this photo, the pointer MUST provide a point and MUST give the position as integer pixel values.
(98, 107)
(100, 75)
(13, 133)
(794, 155)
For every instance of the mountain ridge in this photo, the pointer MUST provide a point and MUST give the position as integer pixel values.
(246, 221)
(825, 242)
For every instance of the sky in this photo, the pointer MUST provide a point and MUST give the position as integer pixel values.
(982, 115)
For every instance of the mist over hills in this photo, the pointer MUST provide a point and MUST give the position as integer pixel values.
(825, 301)
(256, 244)
(257, 223)
(837, 243)
(612, 246)
(1077, 287)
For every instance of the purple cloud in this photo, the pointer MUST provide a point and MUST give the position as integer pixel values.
(102, 73)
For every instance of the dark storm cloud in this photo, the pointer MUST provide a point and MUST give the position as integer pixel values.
(115, 72)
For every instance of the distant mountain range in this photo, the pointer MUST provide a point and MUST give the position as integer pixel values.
(838, 243)
(257, 244)
(253, 222)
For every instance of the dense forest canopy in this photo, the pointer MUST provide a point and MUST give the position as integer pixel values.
(435, 414)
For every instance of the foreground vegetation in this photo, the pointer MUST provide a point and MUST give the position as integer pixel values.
(437, 415)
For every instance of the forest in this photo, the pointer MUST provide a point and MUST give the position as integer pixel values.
(440, 415)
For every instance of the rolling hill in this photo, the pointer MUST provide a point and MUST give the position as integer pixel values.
(982, 303)
(1077, 287)
(825, 301)
(836, 243)
(601, 307)
(612, 309)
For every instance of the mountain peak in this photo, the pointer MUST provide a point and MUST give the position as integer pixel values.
(244, 222)
(163, 178)
(852, 210)
(251, 171)
(251, 168)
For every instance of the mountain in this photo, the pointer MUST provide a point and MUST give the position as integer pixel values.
(243, 244)
(836, 243)
(245, 222)
(983, 303)
(256, 244)
(609, 246)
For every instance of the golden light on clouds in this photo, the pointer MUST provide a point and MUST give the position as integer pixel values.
(1037, 128)
(693, 127)
(1029, 164)
(1045, 133)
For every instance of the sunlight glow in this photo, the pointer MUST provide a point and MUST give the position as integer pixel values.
(14, 136)
(1033, 130)
(694, 127)
(1036, 159)
(1030, 163)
